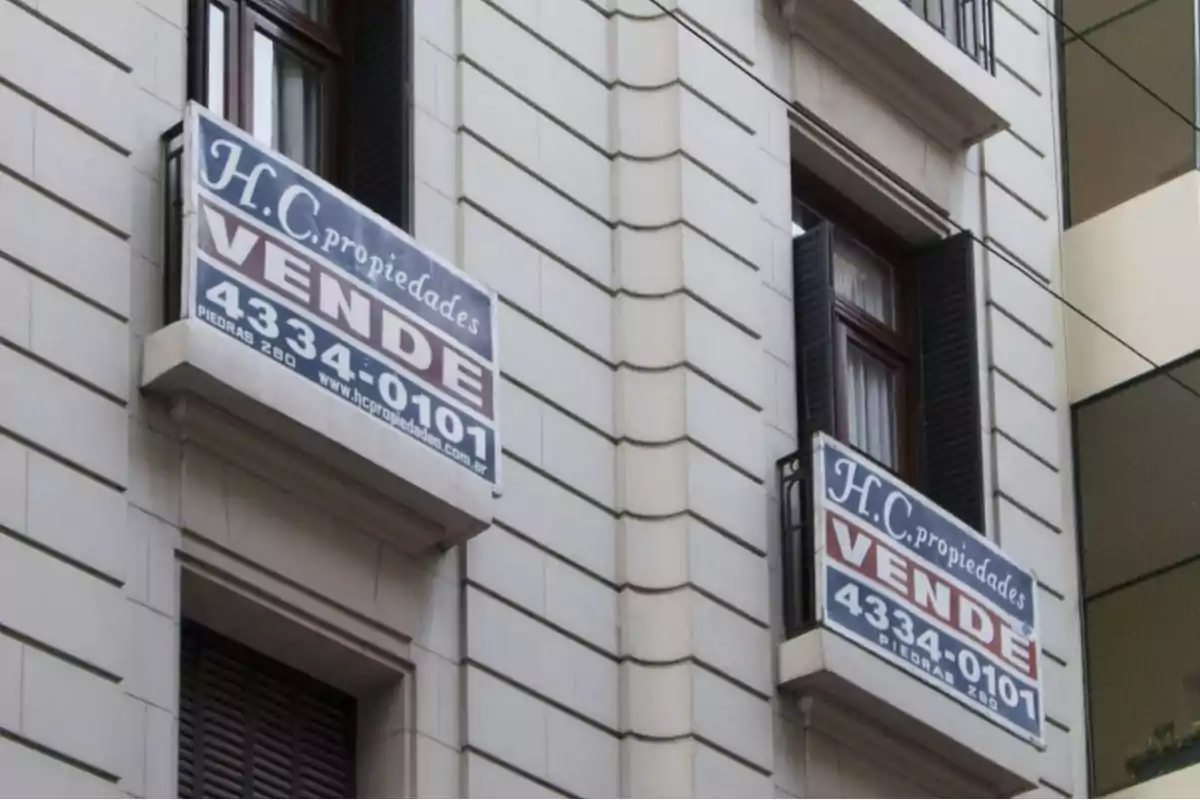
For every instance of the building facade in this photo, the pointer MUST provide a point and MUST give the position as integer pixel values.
(700, 232)
(1131, 229)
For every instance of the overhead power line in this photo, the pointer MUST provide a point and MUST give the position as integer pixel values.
(1079, 37)
(1021, 268)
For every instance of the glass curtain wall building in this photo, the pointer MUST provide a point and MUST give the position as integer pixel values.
(1131, 199)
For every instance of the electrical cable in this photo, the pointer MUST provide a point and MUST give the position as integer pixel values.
(1079, 37)
(1025, 271)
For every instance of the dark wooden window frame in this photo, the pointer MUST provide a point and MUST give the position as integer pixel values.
(941, 428)
(366, 132)
(317, 44)
(896, 347)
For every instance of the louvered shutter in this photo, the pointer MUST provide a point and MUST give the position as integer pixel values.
(812, 265)
(376, 136)
(951, 440)
(252, 727)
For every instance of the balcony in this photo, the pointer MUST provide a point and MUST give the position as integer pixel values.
(1183, 784)
(1120, 140)
(904, 626)
(931, 59)
(308, 339)
(966, 23)
(1137, 451)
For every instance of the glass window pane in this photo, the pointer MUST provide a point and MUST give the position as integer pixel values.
(870, 405)
(287, 101)
(216, 60)
(1121, 142)
(316, 10)
(863, 279)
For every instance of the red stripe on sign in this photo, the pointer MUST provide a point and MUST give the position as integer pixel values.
(338, 301)
(865, 554)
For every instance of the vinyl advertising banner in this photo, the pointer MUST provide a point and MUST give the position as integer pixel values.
(911, 584)
(321, 286)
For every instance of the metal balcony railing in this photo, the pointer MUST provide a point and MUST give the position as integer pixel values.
(172, 256)
(796, 547)
(966, 23)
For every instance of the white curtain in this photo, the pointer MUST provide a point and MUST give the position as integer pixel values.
(216, 59)
(871, 405)
(286, 101)
(862, 278)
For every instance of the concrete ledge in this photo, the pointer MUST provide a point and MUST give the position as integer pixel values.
(896, 53)
(884, 705)
(1181, 783)
(189, 359)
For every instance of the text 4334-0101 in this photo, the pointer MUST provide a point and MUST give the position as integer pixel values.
(235, 308)
(914, 585)
(286, 264)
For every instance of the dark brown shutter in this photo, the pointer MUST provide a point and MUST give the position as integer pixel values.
(951, 436)
(375, 135)
(252, 727)
(197, 50)
(812, 265)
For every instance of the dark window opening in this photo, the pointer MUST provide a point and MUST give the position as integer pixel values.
(323, 82)
(250, 726)
(886, 337)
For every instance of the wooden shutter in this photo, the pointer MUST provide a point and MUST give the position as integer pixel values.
(197, 50)
(951, 436)
(252, 727)
(376, 134)
(812, 265)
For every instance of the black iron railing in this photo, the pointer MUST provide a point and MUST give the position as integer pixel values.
(966, 23)
(794, 473)
(172, 256)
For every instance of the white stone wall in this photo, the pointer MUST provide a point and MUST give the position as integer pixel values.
(626, 191)
(1008, 192)
(110, 527)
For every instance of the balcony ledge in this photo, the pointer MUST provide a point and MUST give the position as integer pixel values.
(428, 500)
(894, 714)
(899, 56)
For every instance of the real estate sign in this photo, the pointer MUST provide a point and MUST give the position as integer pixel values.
(321, 286)
(910, 583)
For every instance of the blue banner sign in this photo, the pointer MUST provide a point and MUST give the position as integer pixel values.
(880, 622)
(909, 582)
(321, 286)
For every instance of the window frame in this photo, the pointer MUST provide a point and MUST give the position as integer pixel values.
(897, 347)
(319, 45)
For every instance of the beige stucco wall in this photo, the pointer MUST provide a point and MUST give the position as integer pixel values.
(626, 192)
(1131, 268)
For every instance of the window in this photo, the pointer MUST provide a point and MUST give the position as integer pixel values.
(250, 726)
(272, 68)
(872, 352)
(886, 346)
(324, 82)
(871, 348)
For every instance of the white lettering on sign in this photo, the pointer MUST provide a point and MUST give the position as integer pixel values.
(355, 309)
(243, 241)
(930, 594)
(230, 172)
(350, 308)
(286, 272)
(463, 376)
(870, 557)
(406, 341)
(850, 488)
